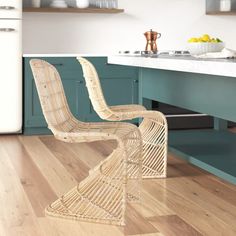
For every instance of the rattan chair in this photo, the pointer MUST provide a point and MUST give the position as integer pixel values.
(102, 196)
(153, 127)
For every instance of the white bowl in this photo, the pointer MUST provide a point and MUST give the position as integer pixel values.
(202, 48)
(58, 4)
(82, 3)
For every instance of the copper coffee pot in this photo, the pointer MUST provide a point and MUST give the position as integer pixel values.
(151, 37)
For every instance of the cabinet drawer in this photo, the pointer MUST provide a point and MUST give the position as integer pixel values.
(11, 9)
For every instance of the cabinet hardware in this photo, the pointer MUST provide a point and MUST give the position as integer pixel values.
(57, 64)
(81, 82)
(7, 30)
(135, 81)
(7, 8)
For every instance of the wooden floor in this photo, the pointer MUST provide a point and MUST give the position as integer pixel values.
(34, 171)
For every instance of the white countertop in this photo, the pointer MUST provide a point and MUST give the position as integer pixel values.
(63, 55)
(221, 67)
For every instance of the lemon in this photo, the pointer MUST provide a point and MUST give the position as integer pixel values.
(201, 40)
(206, 38)
(193, 40)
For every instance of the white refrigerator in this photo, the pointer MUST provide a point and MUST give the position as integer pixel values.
(10, 66)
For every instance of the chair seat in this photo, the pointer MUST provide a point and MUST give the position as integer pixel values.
(127, 108)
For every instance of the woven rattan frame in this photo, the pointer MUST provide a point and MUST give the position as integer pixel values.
(102, 196)
(153, 127)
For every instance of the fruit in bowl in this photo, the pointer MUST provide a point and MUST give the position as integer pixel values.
(204, 44)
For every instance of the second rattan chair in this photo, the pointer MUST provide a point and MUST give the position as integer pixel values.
(102, 196)
(153, 127)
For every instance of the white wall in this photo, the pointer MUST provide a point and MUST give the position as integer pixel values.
(177, 20)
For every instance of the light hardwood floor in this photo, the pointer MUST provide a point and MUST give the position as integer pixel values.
(35, 171)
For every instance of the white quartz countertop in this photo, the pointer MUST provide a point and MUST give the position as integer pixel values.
(63, 55)
(221, 67)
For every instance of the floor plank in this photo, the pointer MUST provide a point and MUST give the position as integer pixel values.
(136, 224)
(16, 214)
(2, 229)
(59, 227)
(149, 207)
(200, 218)
(57, 176)
(35, 185)
(72, 162)
(173, 225)
(152, 234)
(190, 190)
(218, 188)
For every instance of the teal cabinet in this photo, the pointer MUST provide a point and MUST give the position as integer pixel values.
(119, 83)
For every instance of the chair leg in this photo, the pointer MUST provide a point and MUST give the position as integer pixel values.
(102, 196)
(154, 134)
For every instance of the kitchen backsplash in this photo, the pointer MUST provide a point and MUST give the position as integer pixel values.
(177, 20)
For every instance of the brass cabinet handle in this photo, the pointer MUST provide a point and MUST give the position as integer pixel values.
(7, 30)
(7, 8)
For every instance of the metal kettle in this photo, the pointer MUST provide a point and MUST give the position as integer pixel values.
(151, 37)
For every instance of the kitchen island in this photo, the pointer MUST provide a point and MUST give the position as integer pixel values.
(206, 86)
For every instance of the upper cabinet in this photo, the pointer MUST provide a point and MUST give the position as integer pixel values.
(221, 7)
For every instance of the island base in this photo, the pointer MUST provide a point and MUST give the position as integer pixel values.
(211, 150)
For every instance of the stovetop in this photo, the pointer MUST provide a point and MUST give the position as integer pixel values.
(173, 53)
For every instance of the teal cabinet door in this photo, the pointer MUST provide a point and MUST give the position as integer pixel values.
(34, 122)
(120, 85)
(117, 91)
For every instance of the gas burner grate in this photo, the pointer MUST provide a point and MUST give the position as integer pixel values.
(158, 53)
(165, 53)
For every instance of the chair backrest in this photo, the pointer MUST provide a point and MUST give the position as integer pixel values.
(51, 95)
(94, 89)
